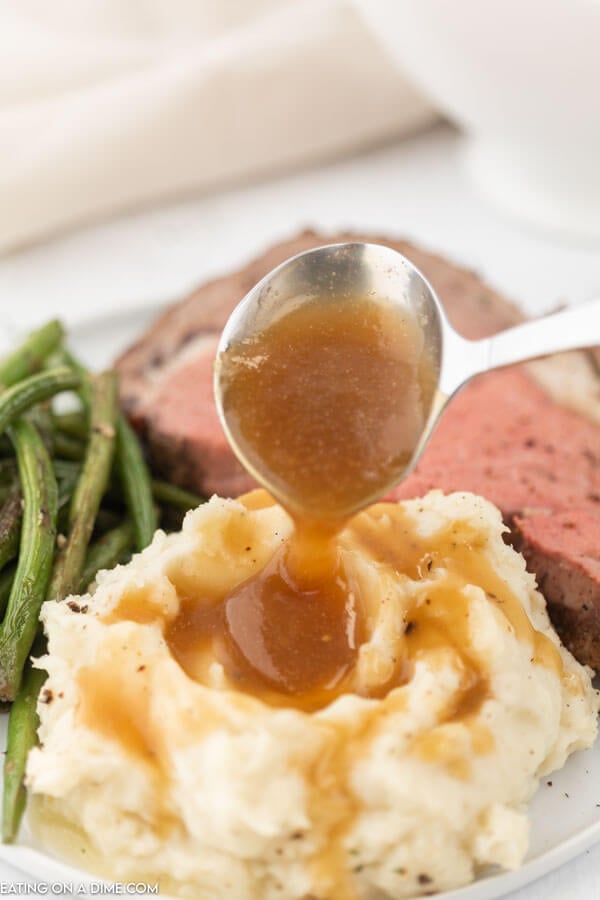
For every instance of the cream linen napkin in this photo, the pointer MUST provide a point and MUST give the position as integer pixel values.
(106, 105)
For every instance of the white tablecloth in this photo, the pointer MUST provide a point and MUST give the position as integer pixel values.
(108, 105)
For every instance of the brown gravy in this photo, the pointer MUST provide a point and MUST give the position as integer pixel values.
(275, 637)
(329, 403)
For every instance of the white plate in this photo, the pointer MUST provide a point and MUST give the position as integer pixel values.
(565, 813)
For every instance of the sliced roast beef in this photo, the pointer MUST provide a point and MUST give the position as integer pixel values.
(502, 437)
(563, 549)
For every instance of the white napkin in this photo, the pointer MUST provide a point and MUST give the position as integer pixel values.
(109, 104)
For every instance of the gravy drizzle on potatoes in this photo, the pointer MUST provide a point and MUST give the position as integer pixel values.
(408, 783)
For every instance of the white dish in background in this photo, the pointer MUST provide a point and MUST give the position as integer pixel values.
(521, 77)
(564, 814)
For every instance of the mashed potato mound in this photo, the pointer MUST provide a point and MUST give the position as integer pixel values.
(408, 783)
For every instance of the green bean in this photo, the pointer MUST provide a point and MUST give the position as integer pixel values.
(38, 534)
(22, 736)
(73, 424)
(66, 489)
(106, 552)
(175, 502)
(172, 495)
(19, 398)
(66, 468)
(6, 579)
(70, 560)
(10, 525)
(85, 390)
(67, 447)
(74, 428)
(131, 465)
(73, 363)
(41, 417)
(29, 357)
(135, 480)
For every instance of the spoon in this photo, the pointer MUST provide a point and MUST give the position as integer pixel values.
(385, 276)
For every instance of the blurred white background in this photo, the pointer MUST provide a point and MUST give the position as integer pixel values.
(417, 187)
(105, 106)
(147, 145)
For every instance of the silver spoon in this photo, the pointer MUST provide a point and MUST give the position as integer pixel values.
(387, 276)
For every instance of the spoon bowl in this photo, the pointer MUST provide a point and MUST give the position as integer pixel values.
(389, 280)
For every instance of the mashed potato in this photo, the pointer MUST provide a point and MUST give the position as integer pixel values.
(409, 782)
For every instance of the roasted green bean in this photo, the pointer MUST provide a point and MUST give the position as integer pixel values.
(171, 495)
(41, 417)
(67, 447)
(135, 480)
(85, 390)
(130, 462)
(29, 357)
(21, 396)
(38, 535)
(95, 474)
(10, 525)
(66, 468)
(22, 736)
(73, 424)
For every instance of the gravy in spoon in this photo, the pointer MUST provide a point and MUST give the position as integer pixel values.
(328, 404)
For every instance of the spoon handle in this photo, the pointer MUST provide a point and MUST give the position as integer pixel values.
(572, 329)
